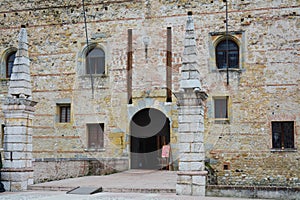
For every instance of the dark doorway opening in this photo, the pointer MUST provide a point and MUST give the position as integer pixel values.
(150, 130)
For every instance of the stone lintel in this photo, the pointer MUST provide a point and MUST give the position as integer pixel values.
(192, 173)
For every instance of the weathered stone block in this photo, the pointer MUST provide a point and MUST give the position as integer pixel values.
(18, 130)
(18, 186)
(20, 176)
(192, 110)
(198, 180)
(192, 157)
(15, 164)
(184, 147)
(191, 166)
(30, 181)
(15, 138)
(184, 179)
(6, 185)
(197, 147)
(184, 127)
(186, 137)
(183, 189)
(198, 137)
(198, 190)
(23, 76)
(190, 127)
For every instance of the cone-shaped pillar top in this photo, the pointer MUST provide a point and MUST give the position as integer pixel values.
(20, 80)
(190, 77)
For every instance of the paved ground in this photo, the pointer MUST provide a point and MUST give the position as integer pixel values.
(132, 184)
(59, 195)
(150, 181)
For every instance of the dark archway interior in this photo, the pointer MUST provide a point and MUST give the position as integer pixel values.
(150, 130)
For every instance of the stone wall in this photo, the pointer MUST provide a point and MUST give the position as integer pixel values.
(56, 169)
(262, 192)
(265, 89)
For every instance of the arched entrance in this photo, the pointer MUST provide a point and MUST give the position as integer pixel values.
(150, 130)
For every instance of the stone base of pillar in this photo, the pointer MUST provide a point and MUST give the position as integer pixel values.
(191, 183)
(16, 179)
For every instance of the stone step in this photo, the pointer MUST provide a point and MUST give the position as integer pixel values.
(112, 190)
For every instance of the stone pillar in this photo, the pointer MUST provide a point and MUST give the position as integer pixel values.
(18, 109)
(17, 170)
(191, 175)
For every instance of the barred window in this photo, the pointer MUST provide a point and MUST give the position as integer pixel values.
(95, 61)
(283, 135)
(226, 48)
(64, 113)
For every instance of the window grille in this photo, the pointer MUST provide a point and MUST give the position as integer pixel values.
(64, 113)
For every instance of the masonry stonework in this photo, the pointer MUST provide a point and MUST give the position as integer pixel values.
(264, 89)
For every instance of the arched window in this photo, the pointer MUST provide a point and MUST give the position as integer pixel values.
(10, 63)
(221, 54)
(95, 61)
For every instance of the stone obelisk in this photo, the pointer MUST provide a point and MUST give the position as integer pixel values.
(191, 175)
(18, 108)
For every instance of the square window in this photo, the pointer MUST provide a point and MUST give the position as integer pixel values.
(283, 135)
(221, 107)
(64, 113)
(95, 136)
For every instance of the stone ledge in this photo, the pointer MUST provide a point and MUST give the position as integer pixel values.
(252, 188)
(261, 192)
(192, 173)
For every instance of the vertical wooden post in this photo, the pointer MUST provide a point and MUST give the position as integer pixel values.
(169, 65)
(129, 67)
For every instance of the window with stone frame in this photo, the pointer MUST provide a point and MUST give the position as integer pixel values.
(64, 113)
(221, 108)
(95, 61)
(283, 135)
(227, 50)
(95, 136)
(10, 63)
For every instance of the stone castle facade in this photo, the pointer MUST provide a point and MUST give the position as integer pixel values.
(85, 117)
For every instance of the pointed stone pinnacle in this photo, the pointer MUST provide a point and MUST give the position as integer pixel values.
(190, 77)
(20, 80)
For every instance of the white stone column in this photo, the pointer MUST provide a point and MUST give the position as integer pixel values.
(191, 175)
(17, 170)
